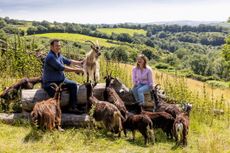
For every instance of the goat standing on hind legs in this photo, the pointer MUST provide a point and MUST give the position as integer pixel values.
(47, 113)
(90, 63)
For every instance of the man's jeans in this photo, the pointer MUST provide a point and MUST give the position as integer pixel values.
(138, 92)
(71, 87)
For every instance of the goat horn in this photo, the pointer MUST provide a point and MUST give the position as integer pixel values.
(97, 43)
(60, 85)
(54, 84)
(90, 42)
(157, 86)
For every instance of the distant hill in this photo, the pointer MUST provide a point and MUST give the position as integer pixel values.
(186, 22)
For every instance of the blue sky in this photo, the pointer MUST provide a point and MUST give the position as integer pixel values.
(116, 11)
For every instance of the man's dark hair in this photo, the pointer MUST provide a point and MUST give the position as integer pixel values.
(54, 40)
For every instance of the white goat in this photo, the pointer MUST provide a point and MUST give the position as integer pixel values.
(90, 63)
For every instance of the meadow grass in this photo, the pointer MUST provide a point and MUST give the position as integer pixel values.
(131, 32)
(22, 138)
(78, 38)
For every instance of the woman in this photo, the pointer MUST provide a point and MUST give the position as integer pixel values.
(142, 79)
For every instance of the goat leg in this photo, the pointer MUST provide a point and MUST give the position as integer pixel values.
(125, 132)
(133, 133)
(87, 76)
(58, 120)
(94, 77)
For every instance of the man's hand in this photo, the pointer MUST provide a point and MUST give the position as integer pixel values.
(79, 71)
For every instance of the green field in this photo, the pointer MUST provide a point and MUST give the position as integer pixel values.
(77, 38)
(131, 32)
(21, 138)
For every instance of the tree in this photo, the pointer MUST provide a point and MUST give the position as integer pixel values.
(125, 37)
(148, 53)
(226, 55)
(199, 64)
(2, 34)
(120, 54)
(32, 30)
(2, 23)
(226, 50)
(171, 59)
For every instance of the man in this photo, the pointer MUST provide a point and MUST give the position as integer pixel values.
(53, 72)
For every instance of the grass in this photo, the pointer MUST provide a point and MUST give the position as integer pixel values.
(220, 84)
(22, 138)
(131, 32)
(77, 38)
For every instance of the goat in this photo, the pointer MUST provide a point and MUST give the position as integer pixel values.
(124, 93)
(117, 101)
(142, 123)
(161, 120)
(161, 105)
(48, 112)
(90, 63)
(11, 92)
(105, 112)
(181, 126)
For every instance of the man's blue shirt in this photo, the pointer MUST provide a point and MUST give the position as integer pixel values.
(54, 67)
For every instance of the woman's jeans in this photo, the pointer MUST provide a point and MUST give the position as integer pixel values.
(138, 92)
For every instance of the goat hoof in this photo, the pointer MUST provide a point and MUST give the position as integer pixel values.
(60, 129)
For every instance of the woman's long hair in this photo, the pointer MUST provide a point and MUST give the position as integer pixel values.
(142, 56)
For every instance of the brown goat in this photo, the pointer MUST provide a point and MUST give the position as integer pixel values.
(123, 92)
(117, 101)
(142, 123)
(47, 113)
(105, 112)
(108, 114)
(162, 120)
(162, 106)
(25, 83)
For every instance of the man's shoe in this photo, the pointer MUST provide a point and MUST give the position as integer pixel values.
(75, 111)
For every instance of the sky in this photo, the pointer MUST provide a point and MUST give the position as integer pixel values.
(116, 11)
